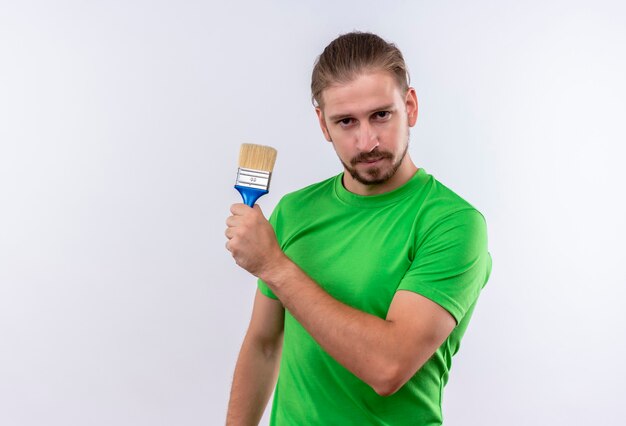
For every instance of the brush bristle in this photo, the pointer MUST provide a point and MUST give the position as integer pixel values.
(257, 157)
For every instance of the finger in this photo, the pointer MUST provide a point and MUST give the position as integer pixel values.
(239, 209)
(230, 233)
(231, 221)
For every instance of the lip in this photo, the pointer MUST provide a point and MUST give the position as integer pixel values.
(372, 161)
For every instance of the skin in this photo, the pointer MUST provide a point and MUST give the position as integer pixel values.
(367, 121)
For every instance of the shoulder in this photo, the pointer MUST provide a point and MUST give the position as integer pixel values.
(441, 202)
(444, 215)
(310, 195)
(302, 206)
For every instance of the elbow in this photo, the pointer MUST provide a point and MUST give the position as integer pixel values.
(387, 389)
(272, 348)
(390, 381)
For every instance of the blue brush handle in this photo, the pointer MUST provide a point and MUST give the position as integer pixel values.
(250, 195)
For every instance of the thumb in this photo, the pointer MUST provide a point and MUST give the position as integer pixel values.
(258, 208)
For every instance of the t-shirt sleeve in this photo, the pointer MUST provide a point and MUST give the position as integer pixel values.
(452, 264)
(273, 220)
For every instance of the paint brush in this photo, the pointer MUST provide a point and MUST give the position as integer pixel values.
(256, 163)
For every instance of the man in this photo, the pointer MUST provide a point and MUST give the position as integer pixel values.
(367, 280)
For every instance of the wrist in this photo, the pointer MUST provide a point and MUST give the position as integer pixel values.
(276, 270)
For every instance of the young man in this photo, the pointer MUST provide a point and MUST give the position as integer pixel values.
(367, 280)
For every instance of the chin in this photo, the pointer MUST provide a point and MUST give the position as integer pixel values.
(377, 178)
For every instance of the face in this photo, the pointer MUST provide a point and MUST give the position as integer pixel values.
(367, 120)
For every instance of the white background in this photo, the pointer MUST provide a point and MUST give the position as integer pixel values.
(120, 125)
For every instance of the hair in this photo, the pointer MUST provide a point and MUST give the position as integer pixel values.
(352, 54)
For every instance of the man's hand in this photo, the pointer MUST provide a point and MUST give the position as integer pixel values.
(251, 240)
(384, 353)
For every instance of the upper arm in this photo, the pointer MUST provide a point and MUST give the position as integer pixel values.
(267, 321)
(452, 264)
(442, 283)
(421, 326)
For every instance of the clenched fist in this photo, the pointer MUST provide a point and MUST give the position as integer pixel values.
(252, 241)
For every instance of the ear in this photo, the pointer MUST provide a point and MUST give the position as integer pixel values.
(320, 117)
(411, 106)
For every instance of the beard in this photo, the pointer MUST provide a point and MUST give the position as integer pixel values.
(374, 175)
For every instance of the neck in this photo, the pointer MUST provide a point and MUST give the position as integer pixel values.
(404, 173)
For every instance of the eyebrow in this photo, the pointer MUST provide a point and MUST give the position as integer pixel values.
(338, 117)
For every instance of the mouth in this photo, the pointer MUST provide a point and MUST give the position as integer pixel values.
(370, 158)
(372, 161)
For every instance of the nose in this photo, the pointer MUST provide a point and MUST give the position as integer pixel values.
(367, 139)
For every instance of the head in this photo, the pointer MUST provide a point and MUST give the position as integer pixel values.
(352, 54)
(360, 90)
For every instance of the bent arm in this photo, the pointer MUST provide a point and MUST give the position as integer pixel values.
(384, 353)
(257, 365)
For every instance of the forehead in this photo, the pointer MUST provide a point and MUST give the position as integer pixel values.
(363, 94)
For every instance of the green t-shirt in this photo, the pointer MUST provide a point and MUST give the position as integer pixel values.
(420, 237)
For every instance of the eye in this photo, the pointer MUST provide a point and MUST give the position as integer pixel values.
(382, 115)
(344, 122)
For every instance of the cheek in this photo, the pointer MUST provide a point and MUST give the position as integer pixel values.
(393, 136)
(387, 136)
(345, 153)
(343, 148)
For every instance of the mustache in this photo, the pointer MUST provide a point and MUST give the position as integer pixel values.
(369, 156)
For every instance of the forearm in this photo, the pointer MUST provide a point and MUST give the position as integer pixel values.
(363, 343)
(253, 382)
(384, 353)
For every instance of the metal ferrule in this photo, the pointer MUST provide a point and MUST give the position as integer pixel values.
(250, 178)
